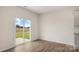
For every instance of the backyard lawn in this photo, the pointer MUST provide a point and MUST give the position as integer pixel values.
(19, 33)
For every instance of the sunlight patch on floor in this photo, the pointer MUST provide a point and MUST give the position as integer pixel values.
(21, 40)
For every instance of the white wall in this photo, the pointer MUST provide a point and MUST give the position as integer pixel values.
(58, 26)
(76, 15)
(7, 25)
(77, 29)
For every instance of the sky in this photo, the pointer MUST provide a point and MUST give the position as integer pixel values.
(23, 22)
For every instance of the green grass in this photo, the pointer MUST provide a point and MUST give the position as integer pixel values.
(20, 35)
(27, 35)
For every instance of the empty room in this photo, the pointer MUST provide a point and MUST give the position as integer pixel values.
(39, 29)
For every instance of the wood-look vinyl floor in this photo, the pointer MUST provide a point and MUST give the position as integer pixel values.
(42, 46)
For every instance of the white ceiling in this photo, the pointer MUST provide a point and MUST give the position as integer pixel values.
(43, 9)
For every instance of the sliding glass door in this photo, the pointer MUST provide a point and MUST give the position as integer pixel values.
(23, 27)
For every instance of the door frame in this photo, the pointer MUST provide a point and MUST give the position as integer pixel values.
(30, 30)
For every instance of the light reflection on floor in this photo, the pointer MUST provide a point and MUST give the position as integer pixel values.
(21, 40)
